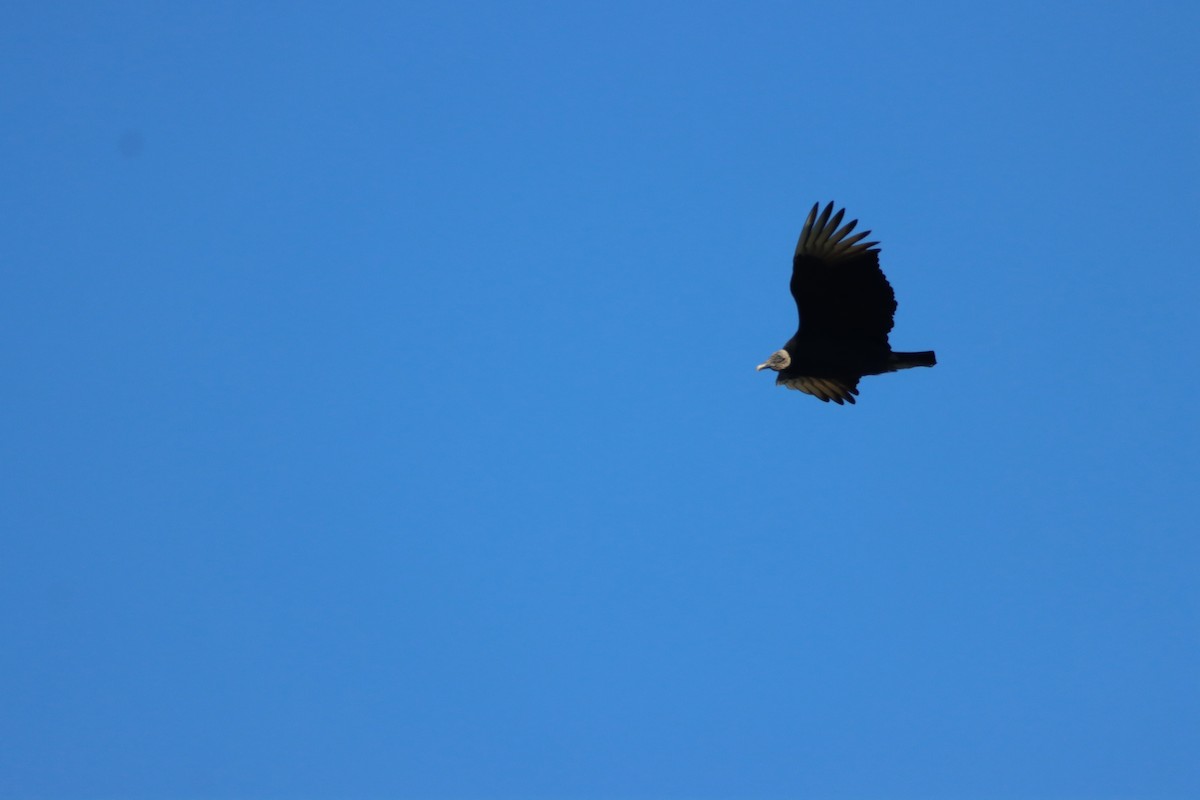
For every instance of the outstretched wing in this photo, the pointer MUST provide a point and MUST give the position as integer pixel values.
(839, 289)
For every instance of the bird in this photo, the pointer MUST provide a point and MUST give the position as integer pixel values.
(846, 308)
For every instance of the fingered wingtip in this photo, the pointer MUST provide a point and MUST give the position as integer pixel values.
(821, 237)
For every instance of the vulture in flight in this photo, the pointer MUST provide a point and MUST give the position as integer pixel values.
(846, 307)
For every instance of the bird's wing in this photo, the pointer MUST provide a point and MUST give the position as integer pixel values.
(839, 289)
(839, 390)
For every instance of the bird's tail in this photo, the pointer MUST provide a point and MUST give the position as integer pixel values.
(925, 358)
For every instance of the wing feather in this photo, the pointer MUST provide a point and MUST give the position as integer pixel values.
(839, 390)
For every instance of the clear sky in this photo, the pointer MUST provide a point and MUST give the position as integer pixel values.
(380, 417)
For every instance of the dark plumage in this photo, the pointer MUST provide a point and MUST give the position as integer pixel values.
(846, 307)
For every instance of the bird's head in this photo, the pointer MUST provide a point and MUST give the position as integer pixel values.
(778, 360)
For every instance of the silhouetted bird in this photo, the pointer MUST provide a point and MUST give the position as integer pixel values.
(846, 307)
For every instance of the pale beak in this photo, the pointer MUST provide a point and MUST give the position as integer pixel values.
(762, 366)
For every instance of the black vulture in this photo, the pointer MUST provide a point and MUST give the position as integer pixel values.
(846, 307)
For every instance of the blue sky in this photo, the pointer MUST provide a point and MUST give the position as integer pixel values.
(381, 420)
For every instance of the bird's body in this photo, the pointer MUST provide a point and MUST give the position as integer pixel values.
(846, 308)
